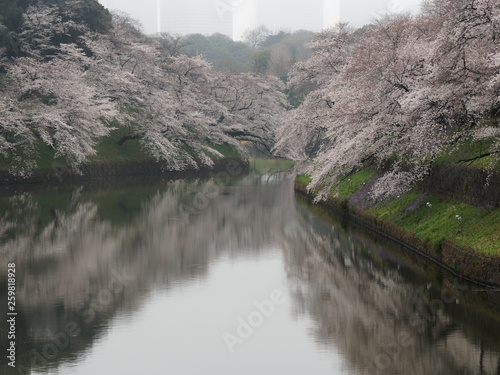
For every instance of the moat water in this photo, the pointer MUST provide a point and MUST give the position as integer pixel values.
(230, 276)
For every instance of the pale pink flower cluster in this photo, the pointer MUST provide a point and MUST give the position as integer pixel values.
(397, 94)
(69, 94)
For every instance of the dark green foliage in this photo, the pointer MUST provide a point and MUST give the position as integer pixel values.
(10, 14)
(90, 12)
(95, 16)
(10, 20)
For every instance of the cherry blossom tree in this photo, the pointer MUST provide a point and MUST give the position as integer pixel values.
(164, 100)
(253, 107)
(46, 26)
(72, 86)
(396, 94)
(51, 103)
(188, 103)
(303, 129)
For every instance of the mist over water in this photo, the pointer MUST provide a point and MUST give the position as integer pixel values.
(228, 276)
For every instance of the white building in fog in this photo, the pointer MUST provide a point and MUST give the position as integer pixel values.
(196, 17)
(229, 17)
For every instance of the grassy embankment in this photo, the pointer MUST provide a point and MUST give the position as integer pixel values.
(478, 232)
(109, 152)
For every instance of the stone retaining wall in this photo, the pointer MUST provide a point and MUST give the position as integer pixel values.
(468, 185)
(462, 262)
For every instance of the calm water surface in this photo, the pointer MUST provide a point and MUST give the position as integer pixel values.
(226, 277)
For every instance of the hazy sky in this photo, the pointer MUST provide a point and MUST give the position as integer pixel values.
(361, 12)
(356, 12)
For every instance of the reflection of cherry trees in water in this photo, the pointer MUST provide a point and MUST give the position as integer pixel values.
(379, 318)
(68, 256)
(87, 258)
(180, 227)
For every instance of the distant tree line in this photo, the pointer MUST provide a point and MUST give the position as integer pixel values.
(261, 51)
(268, 53)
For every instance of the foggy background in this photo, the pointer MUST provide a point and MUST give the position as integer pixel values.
(233, 17)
